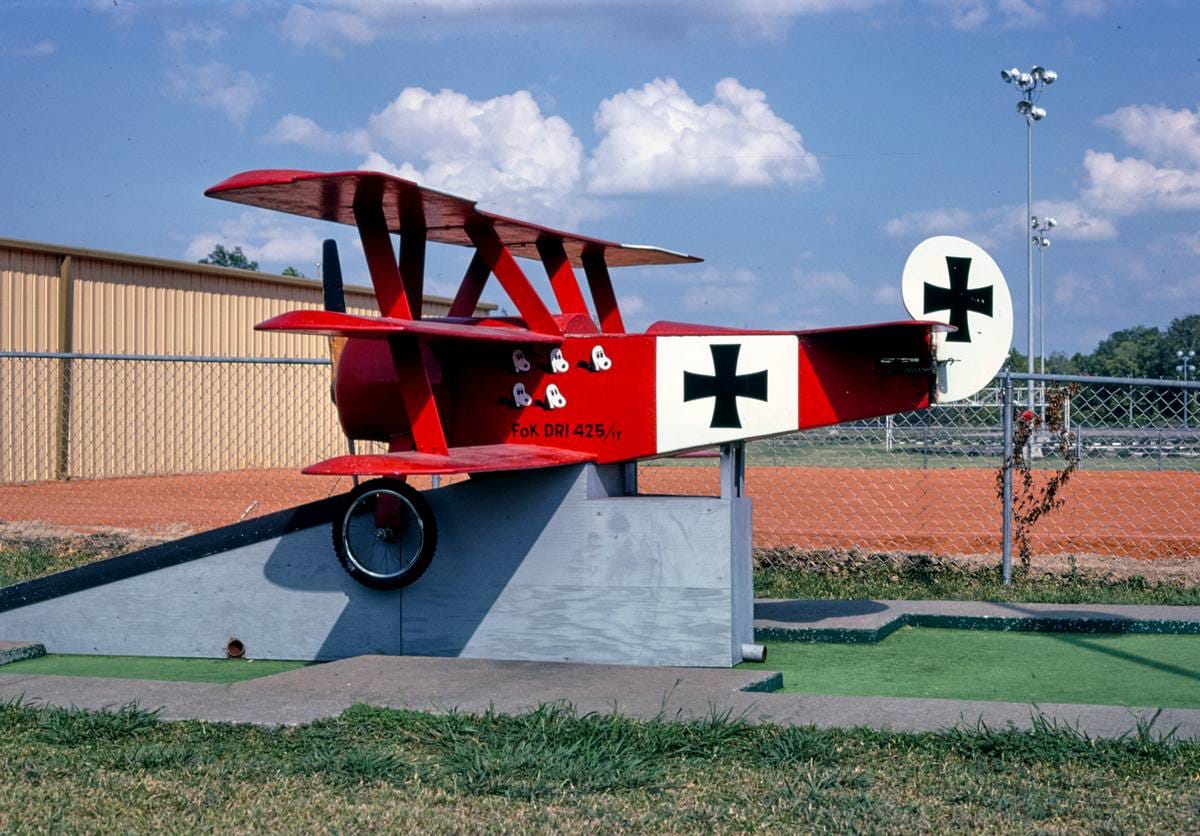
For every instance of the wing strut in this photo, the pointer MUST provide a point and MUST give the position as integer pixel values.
(497, 256)
(467, 298)
(600, 283)
(562, 277)
(381, 260)
(412, 267)
(417, 394)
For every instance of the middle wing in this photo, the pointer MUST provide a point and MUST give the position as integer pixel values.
(334, 324)
(483, 458)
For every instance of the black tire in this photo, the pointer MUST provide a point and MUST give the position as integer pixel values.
(385, 534)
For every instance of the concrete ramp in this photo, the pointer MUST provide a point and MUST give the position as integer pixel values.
(550, 565)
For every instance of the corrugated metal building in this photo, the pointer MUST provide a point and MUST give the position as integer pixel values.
(108, 417)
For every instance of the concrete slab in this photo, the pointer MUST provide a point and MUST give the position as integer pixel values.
(870, 621)
(476, 685)
(17, 651)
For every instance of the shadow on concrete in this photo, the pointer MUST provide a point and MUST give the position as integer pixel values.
(808, 612)
(486, 527)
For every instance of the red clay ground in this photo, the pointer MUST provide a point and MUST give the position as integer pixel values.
(1135, 514)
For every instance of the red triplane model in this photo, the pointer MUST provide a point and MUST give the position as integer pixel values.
(465, 394)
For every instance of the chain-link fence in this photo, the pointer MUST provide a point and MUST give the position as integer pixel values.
(160, 446)
(163, 446)
(929, 481)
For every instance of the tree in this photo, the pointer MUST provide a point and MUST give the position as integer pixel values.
(235, 258)
(293, 272)
(1139, 351)
(1183, 334)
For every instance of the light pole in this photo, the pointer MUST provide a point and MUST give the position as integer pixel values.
(1185, 363)
(1031, 85)
(1040, 228)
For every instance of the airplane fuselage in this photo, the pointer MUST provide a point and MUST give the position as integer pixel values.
(629, 396)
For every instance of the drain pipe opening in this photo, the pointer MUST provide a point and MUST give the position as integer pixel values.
(235, 649)
(754, 653)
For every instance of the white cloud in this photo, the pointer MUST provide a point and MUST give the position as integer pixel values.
(325, 25)
(205, 35)
(502, 151)
(323, 28)
(970, 15)
(272, 239)
(1112, 187)
(1184, 289)
(1081, 292)
(886, 295)
(1086, 8)
(1131, 185)
(514, 158)
(1019, 13)
(632, 305)
(300, 130)
(657, 138)
(1075, 221)
(989, 227)
(41, 49)
(966, 15)
(233, 92)
(925, 222)
(1166, 135)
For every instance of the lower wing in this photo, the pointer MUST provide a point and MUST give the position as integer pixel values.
(483, 458)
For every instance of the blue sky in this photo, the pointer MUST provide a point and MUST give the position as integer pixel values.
(802, 147)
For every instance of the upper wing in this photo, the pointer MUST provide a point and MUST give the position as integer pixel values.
(334, 324)
(482, 458)
(445, 217)
(667, 328)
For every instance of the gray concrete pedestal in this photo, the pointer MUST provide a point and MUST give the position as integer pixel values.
(550, 565)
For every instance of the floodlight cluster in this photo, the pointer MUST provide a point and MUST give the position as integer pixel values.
(1040, 227)
(1031, 85)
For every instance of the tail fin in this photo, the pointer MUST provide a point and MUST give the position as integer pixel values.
(334, 295)
(948, 279)
(331, 277)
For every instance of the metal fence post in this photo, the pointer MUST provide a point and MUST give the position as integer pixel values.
(925, 439)
(733, 470)
(1006, 422)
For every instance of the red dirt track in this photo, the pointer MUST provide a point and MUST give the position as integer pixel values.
(1139, 514)
(1135, 514)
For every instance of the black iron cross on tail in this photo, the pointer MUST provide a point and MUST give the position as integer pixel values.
(725, 385)
(958, 299)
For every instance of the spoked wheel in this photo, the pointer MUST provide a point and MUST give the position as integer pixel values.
(385, 535)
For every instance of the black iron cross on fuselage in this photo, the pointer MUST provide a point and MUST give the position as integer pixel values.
(958, 299)
(725, 385)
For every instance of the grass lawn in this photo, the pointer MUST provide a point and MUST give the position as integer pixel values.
(1141, 670)
(22, 561)
(142, 667)
(941, 581)
(378, 769)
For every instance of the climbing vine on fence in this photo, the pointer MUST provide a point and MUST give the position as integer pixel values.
(1031, 501)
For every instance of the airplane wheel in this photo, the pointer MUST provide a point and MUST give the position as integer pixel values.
(385, 535)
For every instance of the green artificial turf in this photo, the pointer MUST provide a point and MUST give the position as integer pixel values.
(168, 669)
(1142, 670)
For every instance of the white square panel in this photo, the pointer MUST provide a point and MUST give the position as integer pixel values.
(715, 389)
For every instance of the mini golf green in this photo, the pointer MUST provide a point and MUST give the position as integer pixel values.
(1144, 670)
(219, 671)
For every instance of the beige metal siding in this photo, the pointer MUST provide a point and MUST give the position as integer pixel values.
(28, 300)
(131, 418)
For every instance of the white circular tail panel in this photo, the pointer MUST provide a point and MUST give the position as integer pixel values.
(949, 279)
